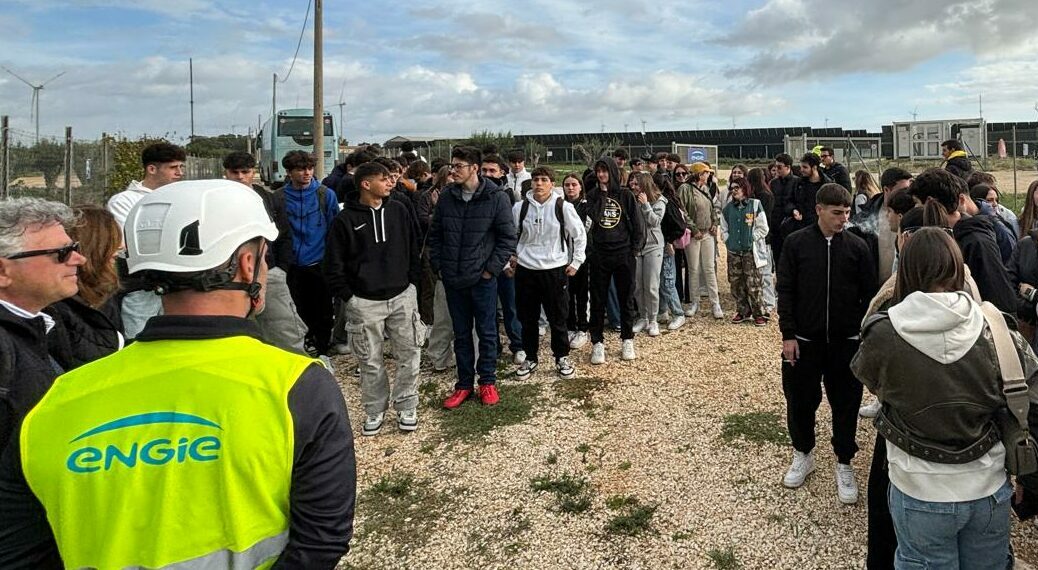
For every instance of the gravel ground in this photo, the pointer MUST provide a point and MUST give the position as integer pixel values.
(650, 429)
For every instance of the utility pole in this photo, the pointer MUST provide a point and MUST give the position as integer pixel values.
(274, 101)
(68, 165)
(4, 157)
(319, 88)
(191, 80)
(980, 104)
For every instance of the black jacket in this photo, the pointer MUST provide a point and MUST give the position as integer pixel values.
(959, 166)
(335, 177)
(617, 226)
(323, 488)
(279, 252)
(782, 189)
(1023, 268)
(976, 238)
(805, 197)
(372, 253)
(468, 238)
(838, 174)
(82, 333)
(824, 290)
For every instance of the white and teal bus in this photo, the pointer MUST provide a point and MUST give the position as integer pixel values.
(292, 129)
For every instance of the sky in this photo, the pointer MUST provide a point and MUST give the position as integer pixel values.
(439, 68)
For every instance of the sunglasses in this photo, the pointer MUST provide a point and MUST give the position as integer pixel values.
(63, 253)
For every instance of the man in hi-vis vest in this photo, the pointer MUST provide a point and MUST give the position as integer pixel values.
(198, 446)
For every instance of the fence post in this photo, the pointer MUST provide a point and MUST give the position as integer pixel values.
(5, 169)
(1014, 167)
(68, 165)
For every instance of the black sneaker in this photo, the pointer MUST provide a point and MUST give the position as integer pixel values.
(526, 368)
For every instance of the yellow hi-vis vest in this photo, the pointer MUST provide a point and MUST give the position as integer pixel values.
(168, 453)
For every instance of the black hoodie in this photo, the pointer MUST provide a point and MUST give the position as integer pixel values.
(372, 253)
(616, 226)
(976, 238)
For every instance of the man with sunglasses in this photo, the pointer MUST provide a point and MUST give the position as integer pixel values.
(39, 266)
(834, 170)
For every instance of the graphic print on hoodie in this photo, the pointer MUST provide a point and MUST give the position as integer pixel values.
(614, 229)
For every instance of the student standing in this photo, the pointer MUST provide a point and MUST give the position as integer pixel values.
(744, 229)
(649, 262)
(703, 221)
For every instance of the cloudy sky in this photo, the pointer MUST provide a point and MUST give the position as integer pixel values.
(447, 68)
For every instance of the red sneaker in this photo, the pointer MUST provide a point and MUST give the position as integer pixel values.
(738, 318)
(456, 399)
(488, 395)
(760, 322)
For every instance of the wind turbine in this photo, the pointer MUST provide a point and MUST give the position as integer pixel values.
(34, 108)
(915, 113)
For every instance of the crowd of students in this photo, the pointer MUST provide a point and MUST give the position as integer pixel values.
(915, 287)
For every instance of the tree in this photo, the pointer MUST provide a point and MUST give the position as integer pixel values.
(126, 162)
(595, 148)
(501, 141)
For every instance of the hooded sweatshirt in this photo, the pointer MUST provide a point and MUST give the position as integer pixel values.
(540, 246)
(372, 252)
(943, 327)
(309, 224)
(120, 204)
(976, 238)
(616, 226)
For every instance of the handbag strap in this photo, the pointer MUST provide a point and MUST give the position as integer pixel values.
(1014, 386)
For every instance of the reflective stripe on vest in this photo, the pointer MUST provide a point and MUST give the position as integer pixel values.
(168, 454)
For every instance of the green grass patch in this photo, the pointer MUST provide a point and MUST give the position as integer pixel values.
(572, 493)
(474, 420)
(552, 458)
(755, 427)
(680, 535)
(633, 517)
(724, 559)
(401, 508)
(581, 391)
(624, 466)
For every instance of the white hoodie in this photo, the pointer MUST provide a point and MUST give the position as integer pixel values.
(514, 183)
(944, 327)
(540, 247)
(121, 204)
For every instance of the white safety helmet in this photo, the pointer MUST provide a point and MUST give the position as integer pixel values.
(194, 226)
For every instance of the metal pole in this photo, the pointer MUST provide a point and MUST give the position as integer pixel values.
(1014, 167)
(318, 89)
(274, 101)
(104, 164)
(5, 170)
(68, 165)
(191, 80)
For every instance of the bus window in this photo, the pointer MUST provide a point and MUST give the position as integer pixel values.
(301, 126)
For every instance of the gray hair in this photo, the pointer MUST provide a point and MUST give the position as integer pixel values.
(18, 215)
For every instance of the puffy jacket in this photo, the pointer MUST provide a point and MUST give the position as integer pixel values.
(468, 238)
(824, 287)
(838, 174)
(309, 224)
(82, 333)
(976, 238)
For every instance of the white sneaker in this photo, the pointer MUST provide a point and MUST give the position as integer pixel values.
(565, 368)
(803, 465)
(718, 313)
(407, 420)
(340, 349)
(598, 353)
(579, 339)
(327, 363)
(570, 335)
(526, 369)
(542, 330)
(654, 329)
(373, 424)
(870, 410)
(846, 486)
(640, 325)
(676, 323)
(628, 350)
(519, 357)
(692, 310)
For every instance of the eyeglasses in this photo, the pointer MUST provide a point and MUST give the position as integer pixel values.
(63, 252)
(459, 165)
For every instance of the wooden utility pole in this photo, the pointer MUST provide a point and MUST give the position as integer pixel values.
(319, 89)
(5, 156)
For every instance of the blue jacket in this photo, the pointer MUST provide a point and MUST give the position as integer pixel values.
(309, 224)
(468, 238)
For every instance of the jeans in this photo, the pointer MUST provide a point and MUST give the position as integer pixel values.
(971, 535)
(475, 306)
(279, 322)
(669, 299)
(506, 293)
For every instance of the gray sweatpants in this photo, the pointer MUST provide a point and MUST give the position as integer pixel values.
(368, 323)
(647, 284)
(279, 322)
(441, 339)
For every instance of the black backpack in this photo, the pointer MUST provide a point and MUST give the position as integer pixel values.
(673, 223)
(559, 202)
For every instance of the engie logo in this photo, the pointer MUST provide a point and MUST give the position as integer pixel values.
(155, 452)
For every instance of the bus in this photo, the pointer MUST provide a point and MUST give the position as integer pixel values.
(292, 130)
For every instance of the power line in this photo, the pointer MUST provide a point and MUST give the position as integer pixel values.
(306, 19)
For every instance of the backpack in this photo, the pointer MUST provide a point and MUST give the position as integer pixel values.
(559, 202)
(673, 223)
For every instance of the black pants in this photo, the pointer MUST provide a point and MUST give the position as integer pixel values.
(680, 268)
(882, 538)
(314, 303)
(426, 291)
(823, 363)
(620, 268)
(578, 292)
(545, 288)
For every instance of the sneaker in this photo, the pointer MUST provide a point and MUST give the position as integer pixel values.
(542, 330)
(526, 368)
(616, 328)
(676, 323)
(579, 340)
(640, 325)
(340, 349)
(488, 395)
(627, 353)
(456, 399)
(564, 367)
(718, 313)
(328, 364)
(570, 335)
(760, 322)
(870, 410)
(373, 424)
(803, 465)
(519, 357)
(692, 310)
(598, 353)
(407, 420)
(846, 486)
(654, 329)
(738, 318)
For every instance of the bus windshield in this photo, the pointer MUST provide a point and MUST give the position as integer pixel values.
(301, 126)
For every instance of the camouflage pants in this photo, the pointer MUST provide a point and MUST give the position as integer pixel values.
(747, 286)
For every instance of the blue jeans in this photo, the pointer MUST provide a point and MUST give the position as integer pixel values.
(506, 293)
(668, 291)
(474, 306)
(613, 306)
(972, 535)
